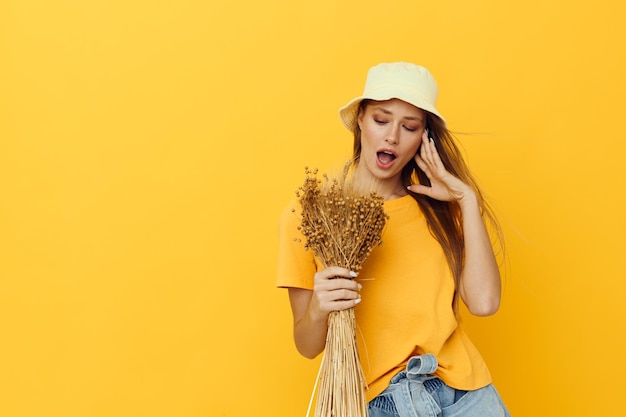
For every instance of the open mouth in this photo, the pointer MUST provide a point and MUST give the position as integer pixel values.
(385, 158)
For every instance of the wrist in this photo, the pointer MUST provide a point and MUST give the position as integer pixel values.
(317, 317)
(467, 199)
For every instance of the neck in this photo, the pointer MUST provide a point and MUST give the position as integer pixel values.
(388, 188)
(400, 192)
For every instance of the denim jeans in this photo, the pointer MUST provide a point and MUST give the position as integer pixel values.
(415, 392)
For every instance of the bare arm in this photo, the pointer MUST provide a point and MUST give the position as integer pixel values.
(334, 289)
(480, 278)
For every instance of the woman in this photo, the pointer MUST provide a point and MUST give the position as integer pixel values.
(417, 359)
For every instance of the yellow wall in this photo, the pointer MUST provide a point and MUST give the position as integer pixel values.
(147, 147)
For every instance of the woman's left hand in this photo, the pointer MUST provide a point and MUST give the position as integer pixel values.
(444, 186)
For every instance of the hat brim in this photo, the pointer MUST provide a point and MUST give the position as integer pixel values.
(349, 112)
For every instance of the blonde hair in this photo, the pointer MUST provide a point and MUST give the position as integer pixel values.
(444, 219)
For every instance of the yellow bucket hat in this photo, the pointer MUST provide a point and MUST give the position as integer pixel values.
(402, 80)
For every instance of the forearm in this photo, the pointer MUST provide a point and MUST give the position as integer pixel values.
(335, 289)
(309, 329)
(480, 286)
(310, 336)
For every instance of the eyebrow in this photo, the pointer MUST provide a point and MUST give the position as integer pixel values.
(412, 118)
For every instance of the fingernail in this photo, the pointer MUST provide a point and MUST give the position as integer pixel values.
(353, 274)
(360, 286)
(357, 300)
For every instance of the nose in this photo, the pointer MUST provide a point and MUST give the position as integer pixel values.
(391, 136)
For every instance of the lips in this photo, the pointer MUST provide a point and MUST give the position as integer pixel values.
(385, 158)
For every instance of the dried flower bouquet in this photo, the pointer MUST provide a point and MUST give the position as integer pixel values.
(342, 224)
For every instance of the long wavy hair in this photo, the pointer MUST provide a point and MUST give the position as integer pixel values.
(444, 219)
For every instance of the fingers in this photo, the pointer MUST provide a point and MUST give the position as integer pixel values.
(428, 160)
(422, 164)
(336, 279)
(420, 189)
(429, 154)
(335, 272)
(337, 299)
(443, 185)
(344, 305)
(335, 289)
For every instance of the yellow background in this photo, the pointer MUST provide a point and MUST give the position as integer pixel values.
(147, 148)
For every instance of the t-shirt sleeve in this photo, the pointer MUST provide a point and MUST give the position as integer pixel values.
(296, 266)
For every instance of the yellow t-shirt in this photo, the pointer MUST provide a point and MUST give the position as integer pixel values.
(406, 306)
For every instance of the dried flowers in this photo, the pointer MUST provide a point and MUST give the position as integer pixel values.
(342, 224)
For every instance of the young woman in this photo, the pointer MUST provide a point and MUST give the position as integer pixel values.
(417, 359)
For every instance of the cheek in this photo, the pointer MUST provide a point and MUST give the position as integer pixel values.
(367, 136)
(414, 147)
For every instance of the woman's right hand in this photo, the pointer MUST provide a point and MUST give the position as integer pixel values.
(334, 289)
